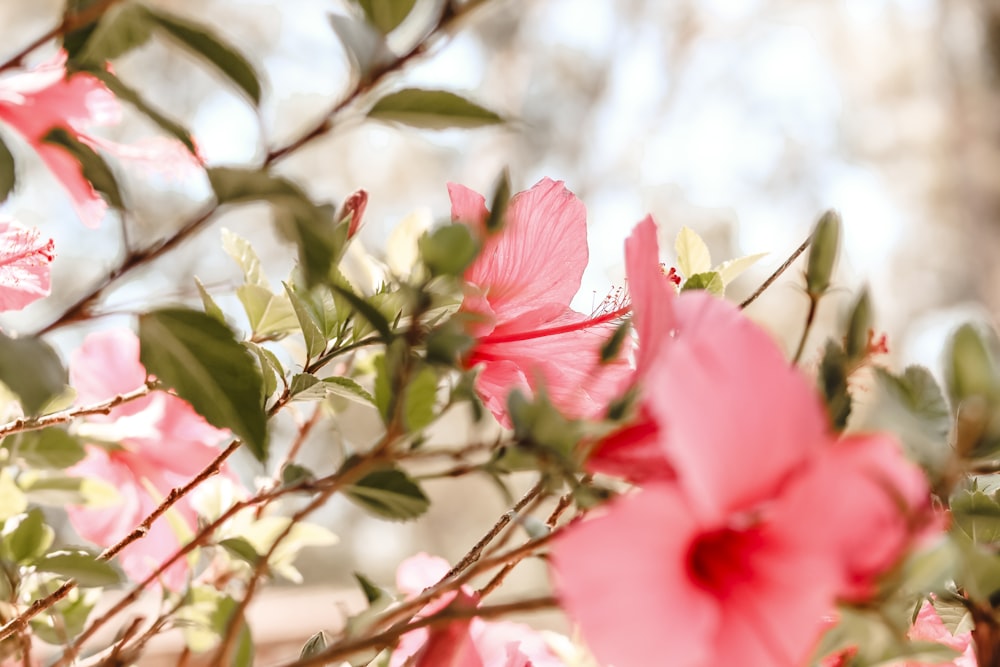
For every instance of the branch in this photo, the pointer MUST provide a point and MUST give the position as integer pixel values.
(774, 276)
(35, 423)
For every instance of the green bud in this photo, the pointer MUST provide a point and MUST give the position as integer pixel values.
(858, 327)
(498, 207)
(970, 369)
(823, 253)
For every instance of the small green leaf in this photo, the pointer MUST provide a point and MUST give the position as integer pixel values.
(692, 253)
(202, 361)
(49, 448)
(833, 373)
(431, 109)
(731, 269)
(367, 311)
(498, 207)
(363, 45)
(311, 332)
(66, 619)
(386, 15)
(823, 251)
(204, 43)
(292, 474)
(448, 250)
(372, 592)
(314, 645)
(306, 387)
(123, 27)
(978, 515)
(421, 394)
(30, 539)
(241, 549)
(208, 303)
(270, 369)
(95, 170)
(710, 282)
(612, 348)
(12, 498)
(32, 370)
(389, 493)
(447, 343)
(972, 368)
(8, 173)
(269, 314)
(246, 257)
(349, 389)
(82, 566)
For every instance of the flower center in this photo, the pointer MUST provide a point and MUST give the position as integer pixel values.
(721, 560)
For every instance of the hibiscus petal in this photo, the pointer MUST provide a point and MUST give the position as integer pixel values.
(623, 577)
(651, 292)
(738, 418)
(106, 364)
(25, 257)
(467, 206)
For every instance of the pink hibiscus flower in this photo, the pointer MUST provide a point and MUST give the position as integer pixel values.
(467, 643)
(150, 446)
(739, 558)
(520, 288)
(25, 257)
(43, 98)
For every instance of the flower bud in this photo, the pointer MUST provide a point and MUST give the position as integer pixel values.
(353, 208)
(823, 253)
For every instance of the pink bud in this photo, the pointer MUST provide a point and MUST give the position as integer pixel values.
(354, 206)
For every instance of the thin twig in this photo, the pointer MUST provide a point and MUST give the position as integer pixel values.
(774, 276)
(23, 424)
(810, 318)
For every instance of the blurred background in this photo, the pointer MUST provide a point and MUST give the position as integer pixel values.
(743, 119)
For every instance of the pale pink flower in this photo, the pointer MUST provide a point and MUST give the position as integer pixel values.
(468, 642)
(520, 288)
(43, 98)
(25, 256)
(929, 627)
(150, 446)
(738, 559)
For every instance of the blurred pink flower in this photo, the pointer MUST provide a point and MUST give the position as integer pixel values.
(770, 519)
(151, 445)
(38, 100)
(929, 627)
(24, 264)
(465, 643)
(520, 288)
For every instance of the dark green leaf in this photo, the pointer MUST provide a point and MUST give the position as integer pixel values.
(32, 370)
(49, 448)
(241, 549)
(710, 281)
(82, 566)
(364, 46)
(390, 494)
(498, 207)
(200, 40)
(123, 27)
(448, 342)
(314, 645)
(8, 174)
(448, 250)
(372, 592)
(978, 515)
(833, 372)
(823, 251)
(432, 109)
(130, 95)
(612, 349)
(95, 169)
(421, 394)
(383, 387)
(270, 369)
(30, 539)
(386, 15)
(292, 474)
(366, 310)
(200, 359)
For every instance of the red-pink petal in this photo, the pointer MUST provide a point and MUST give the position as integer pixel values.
(652, 295)
(106, 364)
(623, 578)
(25, 257)
(467, 206)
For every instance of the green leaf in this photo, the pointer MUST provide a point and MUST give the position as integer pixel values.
(298, 219)
(49, 447)
(306, 387)
(498, 205)
(390, 494)
(269, 314)
(692, 253)
(421, 394)
(208, 303)
(314, 645)
(978, 515)
(710, 282)
(311, 332)
(448, 250)
(971, 368)
(130, 95)
(61, 490)
(386, 15)
(363, 45)
(833, 373)
(66, 619)
(367, 311)
(30, 539)
(431, 109)
(12, 498)
(372, 592)
(612, 348)
(95, 169)
(349, 389)
(204, 43)
(32, 370)
(80, 565)
(270, 369)
(241, 549)
(123, 27)
(978, 572)
(858, 326)
(731, 269)
(8, 173)
(293, 474)
(202, 361)
(245, 257)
